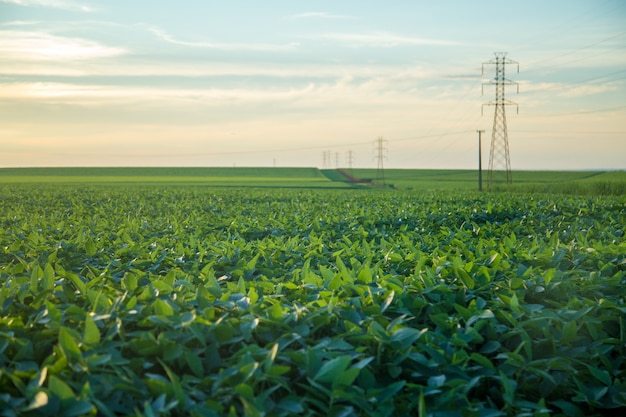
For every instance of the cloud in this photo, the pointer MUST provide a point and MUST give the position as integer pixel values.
(587, 90)
(380, 39)
(100, 94)
(56, 4)
(19, 23)
(338, 91)
(569, 90)
(222, 46)
(160, 66)
(319, 15)
(27, 45)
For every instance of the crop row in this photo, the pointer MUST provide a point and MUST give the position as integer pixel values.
(150, 301)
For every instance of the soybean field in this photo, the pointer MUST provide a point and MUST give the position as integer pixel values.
(191, 300)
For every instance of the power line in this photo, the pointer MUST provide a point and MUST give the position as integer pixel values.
(458, 132)
(582, 48)
(605, 110)
(575, 23)
(569, 132)
(581, 82)
(337, 145)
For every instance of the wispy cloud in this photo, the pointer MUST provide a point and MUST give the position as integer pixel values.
(56, 4)
(380, 39)
(319, 15)
(110, 94)
(27, 45)
(19, 23)
(137, 67)
(569, 90)
(161, 34)
(337, 91)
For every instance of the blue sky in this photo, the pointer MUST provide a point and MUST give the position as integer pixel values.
(208, 83)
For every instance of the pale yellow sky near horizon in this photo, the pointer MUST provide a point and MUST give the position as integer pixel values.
(96, 83)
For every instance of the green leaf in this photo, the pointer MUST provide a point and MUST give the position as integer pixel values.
(162, 308)
(601, 375)
(99, 301)
(365, 275)
(278, 370)
(345, 378)
(334, 283)
(90, 247)
(292, 404)
(406, 336)
(48, 277)
(241, 285)
(333, 369)
(509, 387)
(570, 332)
(245, 391)
(213, 286)
(378, 332)
(549, 275)
(436, 381)
(251, 265)
(79, 408)
(75, 279)
(422, 410)
(253, 295)
(69, 345)
(514, 304)
(130, 281)
(34, 278)
(271, 356)
(490, 347)
(195, 363)
(250, 409)
(61, 390)
(464, 312)
(569, 408)
(482, 360)
(92, 333)
(494, 259)
(389, 391)
(179, 392)
(387, 301)
(464, 277)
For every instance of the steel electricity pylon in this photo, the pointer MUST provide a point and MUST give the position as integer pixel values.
(380, 153)
(499, 158)
(350, 157)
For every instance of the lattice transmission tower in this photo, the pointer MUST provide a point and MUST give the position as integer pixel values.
(499, 158)
(350, 157)
(380, 154)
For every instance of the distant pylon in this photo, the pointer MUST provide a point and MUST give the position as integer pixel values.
(350, 159)
(326, 155)
(380, 153)
(499, 157)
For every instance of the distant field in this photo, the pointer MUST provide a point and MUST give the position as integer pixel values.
(566, 182)
(576, 183)
(222, 177)
(563, 182)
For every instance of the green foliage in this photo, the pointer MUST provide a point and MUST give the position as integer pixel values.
(141, 301)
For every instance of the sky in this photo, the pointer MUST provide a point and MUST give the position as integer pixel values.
(316, 83)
